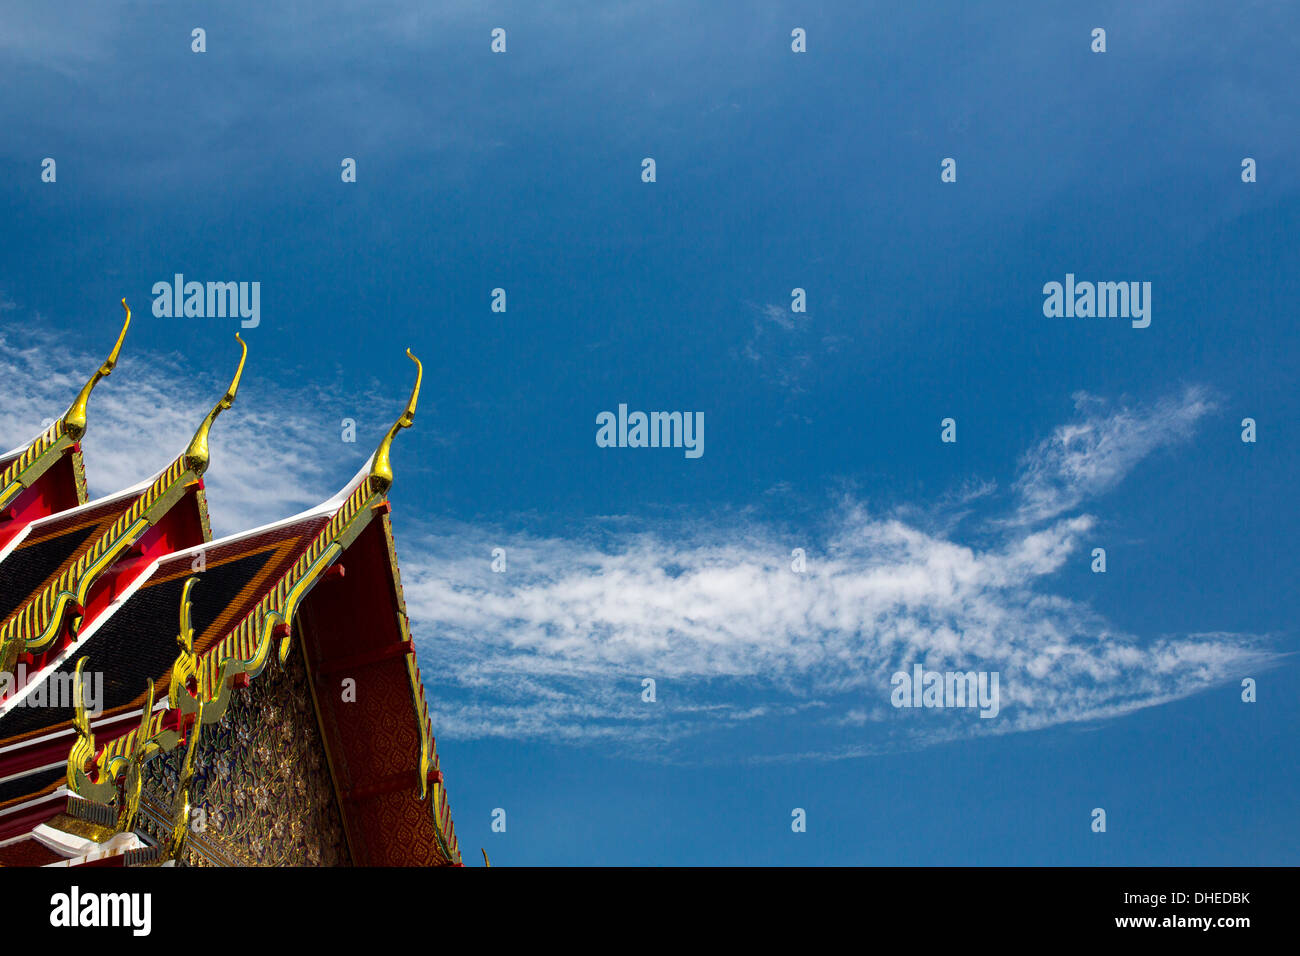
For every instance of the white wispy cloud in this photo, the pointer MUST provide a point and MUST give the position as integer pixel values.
(1089, 457)
(557, 646)
(742, 648)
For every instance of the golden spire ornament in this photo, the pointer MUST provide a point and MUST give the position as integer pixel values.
(196, 455)
(74, 420)
(381, 469)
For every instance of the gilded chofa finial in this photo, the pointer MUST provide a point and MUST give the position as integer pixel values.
(196, 456)
(381, 470)
(74, 421)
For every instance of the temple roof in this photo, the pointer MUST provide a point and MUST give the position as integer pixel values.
(98, 587)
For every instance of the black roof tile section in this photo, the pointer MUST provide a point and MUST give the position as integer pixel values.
(138, 641)
(28, 784)
(27, 568)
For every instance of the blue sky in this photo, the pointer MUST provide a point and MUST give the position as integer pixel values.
(775, 170)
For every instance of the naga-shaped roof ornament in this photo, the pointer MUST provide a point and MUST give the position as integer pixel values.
(74, 420)
(381, 469)
(196, 455)
(185, 672)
